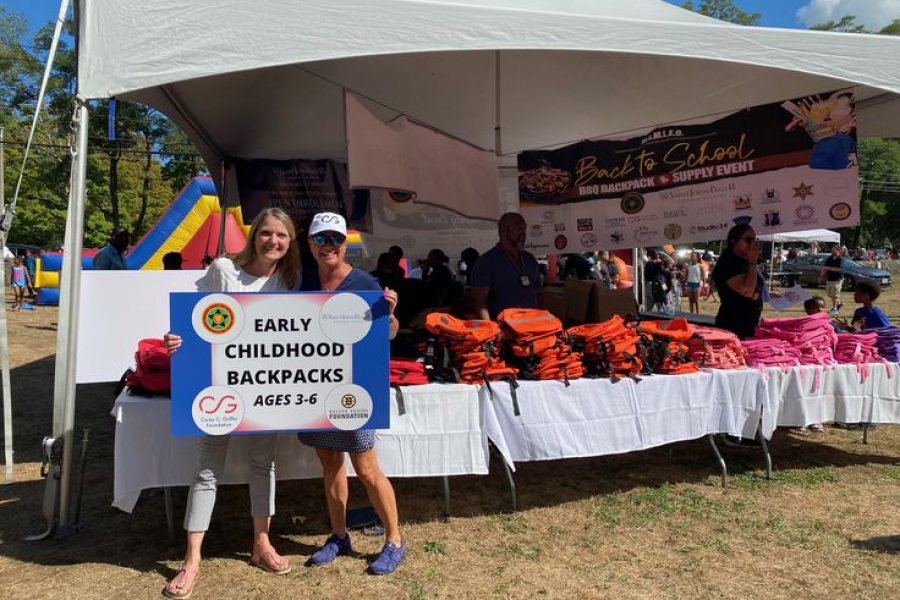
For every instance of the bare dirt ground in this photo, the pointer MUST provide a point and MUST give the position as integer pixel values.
(653, 524)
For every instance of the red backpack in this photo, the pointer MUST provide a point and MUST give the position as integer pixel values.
(152, 373)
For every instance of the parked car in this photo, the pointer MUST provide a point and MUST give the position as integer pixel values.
(806, 270)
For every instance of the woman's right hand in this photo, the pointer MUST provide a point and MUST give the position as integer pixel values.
(172, 342)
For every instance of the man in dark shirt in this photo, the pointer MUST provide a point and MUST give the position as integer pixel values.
(506, 276)
(832, 271)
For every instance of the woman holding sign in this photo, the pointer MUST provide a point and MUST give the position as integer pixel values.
(268, 263)
(327, 241)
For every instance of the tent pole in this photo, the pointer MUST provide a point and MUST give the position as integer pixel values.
(635, 260)
(223, 202)
(498, 137)
(70, 289)
(4, 338)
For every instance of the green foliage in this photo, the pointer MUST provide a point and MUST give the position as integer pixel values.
(892, 28)
(149, 160)
(847, 24)
(724, 10)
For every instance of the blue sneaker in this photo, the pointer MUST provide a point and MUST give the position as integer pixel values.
(390, 558)
(333, 547)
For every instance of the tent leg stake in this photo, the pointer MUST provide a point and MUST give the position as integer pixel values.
(865, 433)
(446, 481)
(722, 466)
(51, 470)
(766, 453)
(512, 484)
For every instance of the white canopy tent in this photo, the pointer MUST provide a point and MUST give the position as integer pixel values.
(813, 235)
(265, 79)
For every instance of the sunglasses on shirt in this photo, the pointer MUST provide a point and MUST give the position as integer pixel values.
(334, 240)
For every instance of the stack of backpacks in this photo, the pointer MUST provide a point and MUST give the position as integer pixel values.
(812, 335)
(667, 350)
(714, 348)
(535, 342)
(609, 349)
(763, 353)
(472, 347)
(888, 343)
(857, 348)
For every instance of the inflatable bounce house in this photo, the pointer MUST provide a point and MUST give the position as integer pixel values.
(190, 226)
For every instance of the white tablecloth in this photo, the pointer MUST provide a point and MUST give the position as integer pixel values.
(593, 417)
(440, 434)
(841, 393)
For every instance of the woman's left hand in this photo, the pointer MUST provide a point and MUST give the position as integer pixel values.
(391, 297)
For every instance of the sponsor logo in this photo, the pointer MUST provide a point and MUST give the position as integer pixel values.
(557, 227)
(643, 219)
(345, 318)
(348, 407)
(614, 222)
(561, 242)
(348, 401)
(711, 209)
(805, 212)
(675, 214)
(589, 240)
(803, 191)
(632, 203)
(840, 211)
(218, 318)
(672, 231)
(616, 237)
(708, 228)
(743, 202)
(644, 234)
(548, 215)
(217, 410)
(771, 196)
(773, 218)
(664, 179)
(742, 220)
(585, 224)
(537, 231)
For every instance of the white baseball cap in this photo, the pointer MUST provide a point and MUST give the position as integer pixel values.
(328, 221)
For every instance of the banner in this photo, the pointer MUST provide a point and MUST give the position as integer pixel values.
(779, 167)
(301, 188)
(432, 166)
(256, 362)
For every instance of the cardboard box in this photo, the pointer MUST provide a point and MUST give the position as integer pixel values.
(593, 302)
(551, 298)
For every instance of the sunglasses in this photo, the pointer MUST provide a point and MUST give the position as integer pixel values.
(334, 240)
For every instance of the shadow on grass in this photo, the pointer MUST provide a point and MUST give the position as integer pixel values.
(139, 541)
(889, 544)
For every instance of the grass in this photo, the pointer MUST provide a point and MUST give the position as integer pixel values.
(640, 525)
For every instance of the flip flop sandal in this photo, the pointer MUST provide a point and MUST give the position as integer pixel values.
(267, 562)
(181, 586)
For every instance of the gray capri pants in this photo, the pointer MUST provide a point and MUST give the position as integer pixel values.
(211, 454)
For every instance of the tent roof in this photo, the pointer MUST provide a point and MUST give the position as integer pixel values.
(813, 235)
(264, 78)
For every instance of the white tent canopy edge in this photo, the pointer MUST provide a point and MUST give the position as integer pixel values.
(813, 235)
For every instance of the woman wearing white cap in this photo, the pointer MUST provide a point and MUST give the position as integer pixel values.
(327, 242)
(269, 262)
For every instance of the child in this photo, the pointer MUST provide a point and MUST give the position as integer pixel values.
(20, 281)
(868, 316)
(814, 305)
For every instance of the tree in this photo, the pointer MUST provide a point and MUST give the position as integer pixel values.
(724, 10)
(847, 24)
(892, 28)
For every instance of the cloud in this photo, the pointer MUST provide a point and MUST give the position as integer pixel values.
(874, 14)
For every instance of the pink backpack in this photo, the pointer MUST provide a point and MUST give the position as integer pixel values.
(812, 335)
(763, 353)
(716, 348)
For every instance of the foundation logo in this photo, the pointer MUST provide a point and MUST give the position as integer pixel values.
(708, 228)
(345, 318)
(589, 240)
(672, 231)
(557, 227)
(803, 191)
(348, 407)
(771, 196)
(548, 215)
(614, 222)
(675, 214)
(632, 203)
(616, 237)
(561, 242)
(218, 319)
(840, 211)
(585, 224)
(217, 410)
(536, 230)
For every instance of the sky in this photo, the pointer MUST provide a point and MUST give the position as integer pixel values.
(875, 14)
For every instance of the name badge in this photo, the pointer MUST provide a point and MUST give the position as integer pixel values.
(525, 281)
